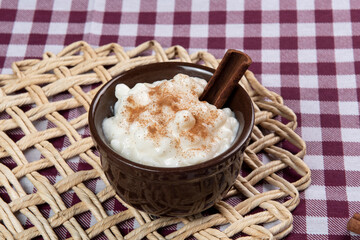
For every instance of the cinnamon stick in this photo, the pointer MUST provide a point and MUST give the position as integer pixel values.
(229, 72)
(354, 223)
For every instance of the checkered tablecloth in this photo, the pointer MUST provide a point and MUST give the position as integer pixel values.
(307, 51)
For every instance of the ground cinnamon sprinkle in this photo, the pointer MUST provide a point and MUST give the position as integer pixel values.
(152, 130)
(134, 110)
(199, 129)
(131, 100)
(162, 96)
(170, 101)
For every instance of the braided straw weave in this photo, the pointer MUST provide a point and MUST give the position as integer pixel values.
(58, 89)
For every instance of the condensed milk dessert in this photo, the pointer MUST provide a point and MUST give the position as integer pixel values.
(164, 124)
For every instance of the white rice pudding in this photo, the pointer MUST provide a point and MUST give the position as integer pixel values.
(164, 124)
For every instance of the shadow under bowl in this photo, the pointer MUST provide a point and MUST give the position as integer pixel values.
(179, 191)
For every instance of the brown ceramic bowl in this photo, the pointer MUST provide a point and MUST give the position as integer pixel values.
(177, 191)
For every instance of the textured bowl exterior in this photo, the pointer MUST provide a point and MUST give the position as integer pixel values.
(169, 191)
(174, 194)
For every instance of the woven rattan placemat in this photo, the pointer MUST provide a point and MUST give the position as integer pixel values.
(51, 182)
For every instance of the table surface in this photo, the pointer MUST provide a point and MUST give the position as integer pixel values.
(306, 51)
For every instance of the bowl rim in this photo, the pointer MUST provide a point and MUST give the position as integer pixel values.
(203, 165)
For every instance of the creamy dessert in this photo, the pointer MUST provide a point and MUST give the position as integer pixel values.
(164, 124)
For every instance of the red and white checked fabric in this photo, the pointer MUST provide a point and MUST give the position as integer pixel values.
(307, 51)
